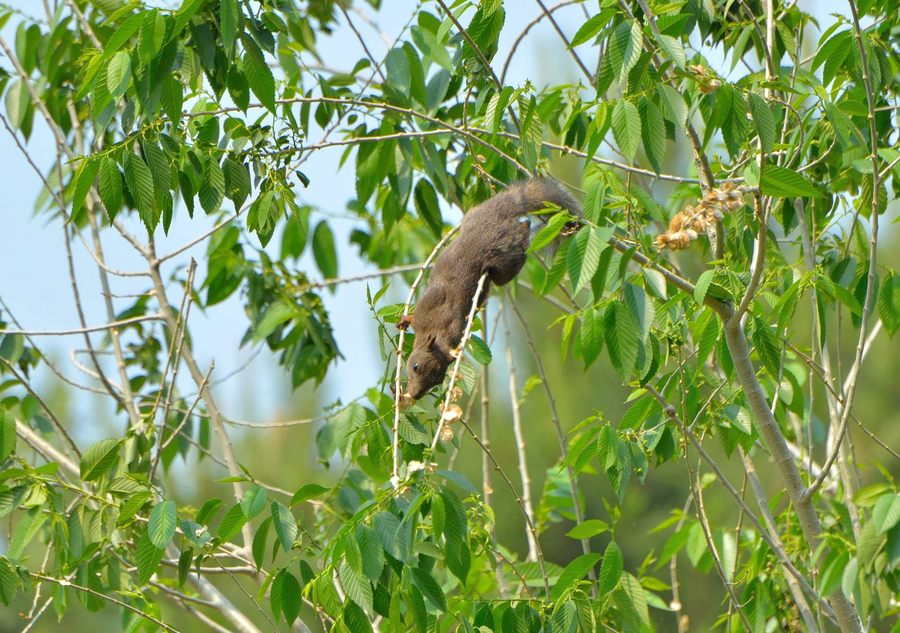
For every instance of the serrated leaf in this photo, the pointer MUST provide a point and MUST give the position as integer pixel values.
(626, 125)
(324, 250)
(9, 581)
(610, 569)
(625, 47)
(781, 182)
(285, 525)
(588, 528)
(12, 346)
(237, 181)
(673, 48)
(25, 531)
(7, 435)
(653, 133)
(161, 528)
(429, 587)
(139, 180)
(886, 512)
(564, 618)
(764, 121)
(254, 501)
(111, 193)
(98, 459)
(889, 303)
(573, 572)
(148, 557)
(356, 586)
(118, 73)
(17, 102)
(589, 29)
(231, 522)
(212, 189)
(308, 491)
(259, 75)
(228, 23)
(621, 338)
(398, 71)
(584, 257)
(479, 350)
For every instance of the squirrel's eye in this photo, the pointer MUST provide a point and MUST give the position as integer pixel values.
(415, 366)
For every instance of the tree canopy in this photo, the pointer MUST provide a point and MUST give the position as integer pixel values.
(705, 334)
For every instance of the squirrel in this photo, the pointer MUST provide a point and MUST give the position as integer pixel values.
(493, 238)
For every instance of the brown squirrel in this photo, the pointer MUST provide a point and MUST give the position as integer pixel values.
(493, 238)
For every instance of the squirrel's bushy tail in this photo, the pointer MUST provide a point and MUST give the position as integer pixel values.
(537, 193)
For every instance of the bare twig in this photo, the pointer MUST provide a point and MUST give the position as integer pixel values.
(86, 330)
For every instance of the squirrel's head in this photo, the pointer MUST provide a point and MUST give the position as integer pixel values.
(426, 366)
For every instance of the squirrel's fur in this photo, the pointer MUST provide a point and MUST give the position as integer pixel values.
(493, 238)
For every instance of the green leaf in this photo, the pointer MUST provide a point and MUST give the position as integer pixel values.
(610, 569)
(673, 48)
(161, 528)
(625, 47)
(285, 525)
(99, 458)
(308, 491)
(290, 594)
(259, 75)
(621, 338)
(889, 303)
(702, 285)
(232, 522)
(781, 182)
(324, 251)
(228, 23)
(111, 189)
(653, 133)
(886, 512)
(12, 347)
(7, 434)
(549, 231)
(274, 316)
(237, 182)
(564, 618)
(212, 189)
(398, 71)
(148, 558)
(371, 550)
(479, 350)
(118, 73)
(764, 121)
(9, 581)
(356, 586)
(426, 201)
(17, 101)
(589, 29)
(584, 257)
(429, 587)
(25, 531)
(626, 125)
(82, 182)
(254, 501)
(573, 572)
(588, 528)
(139, 180)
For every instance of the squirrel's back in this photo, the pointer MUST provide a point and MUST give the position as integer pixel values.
(518, 200)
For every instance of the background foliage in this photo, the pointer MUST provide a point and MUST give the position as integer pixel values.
(691, 402)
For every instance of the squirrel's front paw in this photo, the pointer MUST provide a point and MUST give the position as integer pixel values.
(456, 352)
(404, 322)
